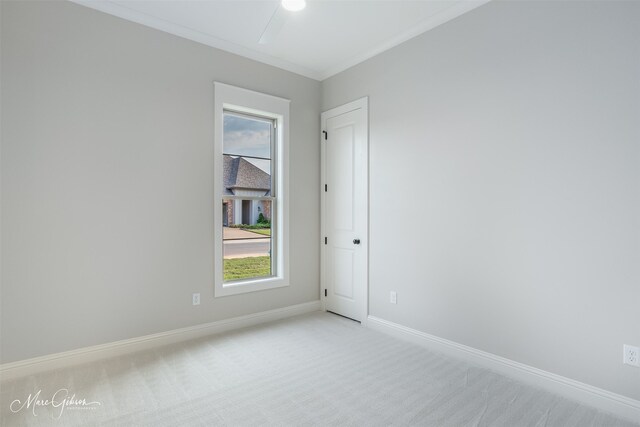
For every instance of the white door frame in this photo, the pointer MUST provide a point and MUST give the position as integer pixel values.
(362, 103)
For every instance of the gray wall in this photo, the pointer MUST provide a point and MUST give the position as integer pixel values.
(509, 139)
(107, 179)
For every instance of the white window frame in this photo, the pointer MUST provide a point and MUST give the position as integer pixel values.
(227, 97)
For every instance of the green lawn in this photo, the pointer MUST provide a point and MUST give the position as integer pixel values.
(263, 231)
(244, 268)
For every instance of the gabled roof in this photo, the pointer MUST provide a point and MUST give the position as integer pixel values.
(240, 174)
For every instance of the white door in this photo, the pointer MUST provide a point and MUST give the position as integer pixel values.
(345, 209)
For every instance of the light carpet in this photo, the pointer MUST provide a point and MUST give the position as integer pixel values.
(317, 369)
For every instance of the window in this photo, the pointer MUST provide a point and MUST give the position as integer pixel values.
(251, 206)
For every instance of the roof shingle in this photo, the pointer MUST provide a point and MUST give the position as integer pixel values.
(240, 174)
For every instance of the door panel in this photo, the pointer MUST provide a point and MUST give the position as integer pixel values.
(345, 207)
(342, 272)
(340, 177)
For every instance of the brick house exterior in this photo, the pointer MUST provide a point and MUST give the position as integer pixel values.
(242, 178)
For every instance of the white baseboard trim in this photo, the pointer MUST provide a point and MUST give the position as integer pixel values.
(97, 352)
(621, 406)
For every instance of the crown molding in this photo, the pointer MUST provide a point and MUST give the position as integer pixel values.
(456, 9)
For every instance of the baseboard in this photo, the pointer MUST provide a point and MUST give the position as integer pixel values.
(621, 406)
(88, 354)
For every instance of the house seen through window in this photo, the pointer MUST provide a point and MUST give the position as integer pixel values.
(248, 208)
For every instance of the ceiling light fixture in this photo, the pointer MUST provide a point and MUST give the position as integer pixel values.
(294, 5)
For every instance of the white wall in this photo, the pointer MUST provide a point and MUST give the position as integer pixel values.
(107, 179)
(510, 139)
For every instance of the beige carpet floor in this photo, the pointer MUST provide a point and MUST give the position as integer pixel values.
(318, 369)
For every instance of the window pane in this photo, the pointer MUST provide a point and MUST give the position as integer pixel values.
(246, 176)
(247, 136)
(247, 147)
(247, 244)
(247, 241)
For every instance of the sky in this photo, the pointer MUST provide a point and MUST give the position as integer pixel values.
(246, 137)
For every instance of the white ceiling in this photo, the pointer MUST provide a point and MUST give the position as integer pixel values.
(327, 37)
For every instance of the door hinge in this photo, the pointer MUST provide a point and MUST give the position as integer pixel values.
(325, 292)
(325, 188)
(325, 134)
(325, 240)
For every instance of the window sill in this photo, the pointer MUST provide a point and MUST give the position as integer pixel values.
(246, 286)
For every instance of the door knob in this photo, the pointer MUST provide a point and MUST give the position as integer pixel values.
(356, 241)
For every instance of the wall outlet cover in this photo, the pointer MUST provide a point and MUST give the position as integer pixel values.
(631, 355)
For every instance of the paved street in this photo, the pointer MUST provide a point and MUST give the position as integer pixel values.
(242, 243)
(246, 248)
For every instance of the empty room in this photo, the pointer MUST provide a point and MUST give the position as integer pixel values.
(320, 213)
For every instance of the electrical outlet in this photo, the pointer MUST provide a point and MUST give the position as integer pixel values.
(196, 299)
(393, 297)
(631, 355)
